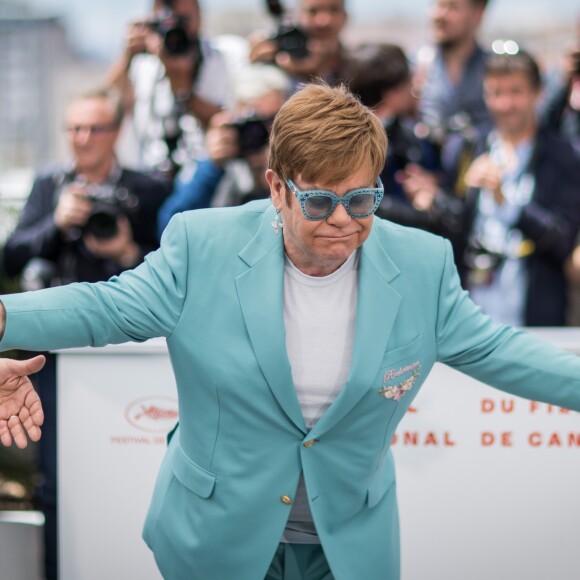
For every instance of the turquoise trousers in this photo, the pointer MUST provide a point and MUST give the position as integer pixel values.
(299, 562)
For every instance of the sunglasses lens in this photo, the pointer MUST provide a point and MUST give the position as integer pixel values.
(362, 204)
(318, 206)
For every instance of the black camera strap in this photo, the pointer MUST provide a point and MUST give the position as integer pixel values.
(172, 129)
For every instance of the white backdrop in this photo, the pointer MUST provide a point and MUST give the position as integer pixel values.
(488, 484)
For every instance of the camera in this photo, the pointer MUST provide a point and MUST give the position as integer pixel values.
(288, 37)
(109, 202)
(172, 30)
(253, 133)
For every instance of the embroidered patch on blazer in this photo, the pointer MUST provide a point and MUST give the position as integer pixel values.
(397, 391)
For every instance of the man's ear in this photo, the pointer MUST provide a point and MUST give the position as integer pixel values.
(277, 188)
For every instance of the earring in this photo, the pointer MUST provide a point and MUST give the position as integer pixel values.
(277, 223)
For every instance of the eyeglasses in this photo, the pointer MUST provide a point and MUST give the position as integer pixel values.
(97, 129)
(318, 204)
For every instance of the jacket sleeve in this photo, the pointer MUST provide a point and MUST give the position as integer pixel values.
(137, 305)
(193, 193)
(552, 218)
(503, 357)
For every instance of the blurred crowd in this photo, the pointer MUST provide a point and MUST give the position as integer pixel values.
(481, 150)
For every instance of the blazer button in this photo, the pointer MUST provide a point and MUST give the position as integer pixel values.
(285, 499)
(308, 443)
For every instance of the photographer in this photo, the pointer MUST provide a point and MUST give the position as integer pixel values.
(321, 23)
(237, 144)
(174, 81)
(82, 223)
(521, 211)
(381, 78)
(452, 81)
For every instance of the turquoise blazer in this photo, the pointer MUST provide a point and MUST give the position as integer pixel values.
(215, 289)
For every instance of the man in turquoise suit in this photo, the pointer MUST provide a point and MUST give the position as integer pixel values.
(300, 329)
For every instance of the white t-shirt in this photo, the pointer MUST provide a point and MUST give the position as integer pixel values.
(319, 317)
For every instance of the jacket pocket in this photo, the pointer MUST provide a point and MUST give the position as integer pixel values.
(191, 475)
(382, 480)
(404, 352)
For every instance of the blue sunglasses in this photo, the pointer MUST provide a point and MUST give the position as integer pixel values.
(318, 204)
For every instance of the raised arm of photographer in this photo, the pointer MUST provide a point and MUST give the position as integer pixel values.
(118, 75)
(20, 408)
(180, 72)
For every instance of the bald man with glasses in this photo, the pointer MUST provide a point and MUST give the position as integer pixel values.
(84, 222)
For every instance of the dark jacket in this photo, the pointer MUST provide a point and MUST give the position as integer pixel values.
(551, 220)
(36, 234)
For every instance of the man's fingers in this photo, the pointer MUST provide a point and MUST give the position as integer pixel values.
(17, 432)
(19, 426)
(5, 437)
(27, 422)
(32, 365)
(32, 427)
(33, 409)
(19, 436)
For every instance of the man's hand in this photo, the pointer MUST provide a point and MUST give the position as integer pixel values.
(73, 208)
(420, 186)
(262, 49)
(121, 248)
(136, 39)
(321, 54)
(222, 139)
(484, 173)
(20, 408)
(319, 59)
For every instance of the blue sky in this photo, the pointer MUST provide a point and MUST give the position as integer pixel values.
(98, 27)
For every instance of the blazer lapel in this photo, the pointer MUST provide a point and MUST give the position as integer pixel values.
(261, 294)
(378, 305)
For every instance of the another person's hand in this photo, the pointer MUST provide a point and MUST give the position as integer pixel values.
(222, 139)
(136, 39)
(420, 186)
(73, 208)
(179, 68)
(262, 49)
(20, 407)
(319, 58)
(485, 174)
(121, 248)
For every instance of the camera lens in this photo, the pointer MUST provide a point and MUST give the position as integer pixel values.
(102, 222)
(176, 41)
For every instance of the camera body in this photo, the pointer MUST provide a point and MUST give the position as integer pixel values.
(171, 28)
(109, 202)
(253, 133)
(288, 37)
